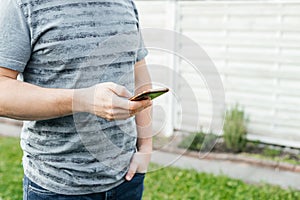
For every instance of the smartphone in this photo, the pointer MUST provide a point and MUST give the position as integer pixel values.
(152, 94)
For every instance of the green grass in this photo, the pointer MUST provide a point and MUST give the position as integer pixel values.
(173, 183)
(11, 171)
(168, 183)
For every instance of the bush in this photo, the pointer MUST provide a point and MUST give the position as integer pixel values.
(199, 141)
(235, 131)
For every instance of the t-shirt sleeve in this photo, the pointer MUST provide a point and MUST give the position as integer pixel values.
(142, 50)
(15, 44)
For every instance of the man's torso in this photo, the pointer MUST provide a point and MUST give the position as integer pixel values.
(77, 44)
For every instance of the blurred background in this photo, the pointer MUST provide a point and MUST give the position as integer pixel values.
(255, 46)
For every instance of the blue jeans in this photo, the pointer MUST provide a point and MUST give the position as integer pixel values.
(128, 190)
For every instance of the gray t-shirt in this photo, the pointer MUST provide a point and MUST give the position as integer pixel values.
(74, 44)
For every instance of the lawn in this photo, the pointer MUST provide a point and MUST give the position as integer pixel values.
(168, 183)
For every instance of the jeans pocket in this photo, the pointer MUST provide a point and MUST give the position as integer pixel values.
(132, 189)
(138, 178)
(140, 174)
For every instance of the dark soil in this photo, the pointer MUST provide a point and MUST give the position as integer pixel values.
(266, 150)
(221, 148)
(261, 149)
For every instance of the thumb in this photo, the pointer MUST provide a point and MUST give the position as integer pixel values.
(120, 90)
(131, 171)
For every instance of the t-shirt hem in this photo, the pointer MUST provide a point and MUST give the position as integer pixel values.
(74, 191)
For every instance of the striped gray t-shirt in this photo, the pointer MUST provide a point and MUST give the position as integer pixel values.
(74, 44)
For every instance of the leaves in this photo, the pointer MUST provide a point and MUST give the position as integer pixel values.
(199, 141)
(235, 130)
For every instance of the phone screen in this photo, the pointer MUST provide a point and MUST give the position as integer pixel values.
(152, 94)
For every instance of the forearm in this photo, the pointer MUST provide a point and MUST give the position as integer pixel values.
(144, 118)
(23, 101)
(144, 128)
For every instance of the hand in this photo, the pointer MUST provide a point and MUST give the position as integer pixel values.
(110, 101)
(139, 163)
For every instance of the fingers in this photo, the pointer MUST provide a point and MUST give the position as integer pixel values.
(139, 163)
(139, 109)
(119, 114)
(131, 172)
(131, 106)
(136, 106)
(111, 102)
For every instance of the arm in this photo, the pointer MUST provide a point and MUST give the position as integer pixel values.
(141, 159)
(23, 101)
(144, 118)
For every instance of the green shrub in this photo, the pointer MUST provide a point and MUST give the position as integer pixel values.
(209, 142)
(198, 141)
(235, 129)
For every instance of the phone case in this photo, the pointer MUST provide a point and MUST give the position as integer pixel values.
(152, 94)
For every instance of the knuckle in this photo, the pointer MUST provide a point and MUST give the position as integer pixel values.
(132, 107)
(123, 89)
(131, 173)
(108, 107)
(110, 84)
(112, 106)
(109, 117)
(132, 111)
(110, 114)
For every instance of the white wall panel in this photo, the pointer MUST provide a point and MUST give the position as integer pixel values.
(153, 14)
(255, 45)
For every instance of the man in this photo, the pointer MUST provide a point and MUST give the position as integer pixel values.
(82, 138)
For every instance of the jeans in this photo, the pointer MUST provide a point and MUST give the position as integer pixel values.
(128, 190)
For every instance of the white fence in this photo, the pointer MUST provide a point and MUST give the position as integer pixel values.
(255, 46)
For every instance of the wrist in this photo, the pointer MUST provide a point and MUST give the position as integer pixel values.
(82, 100)
(145, 146)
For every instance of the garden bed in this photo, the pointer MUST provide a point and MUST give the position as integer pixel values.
(255, 153)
